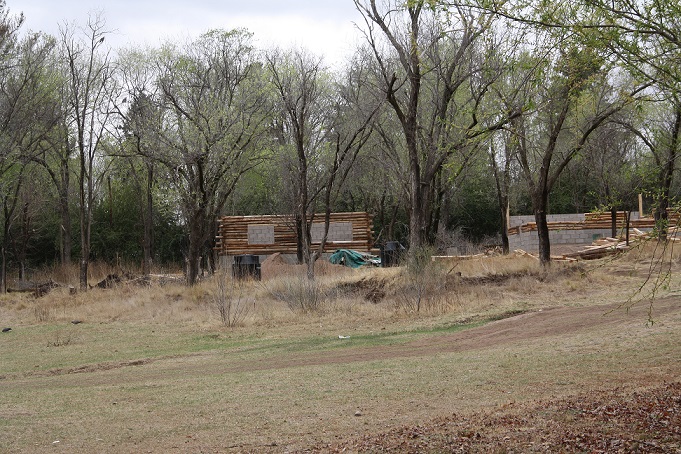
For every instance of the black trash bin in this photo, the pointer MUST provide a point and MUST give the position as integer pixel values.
(246, 267)
(390, 254)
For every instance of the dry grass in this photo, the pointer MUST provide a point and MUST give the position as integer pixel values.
(153, 369)
(486, 287)
(492, 265)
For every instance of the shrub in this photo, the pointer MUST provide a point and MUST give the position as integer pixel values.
(299, 293)
(229, 299)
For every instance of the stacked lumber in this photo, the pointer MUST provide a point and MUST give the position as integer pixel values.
(232, 238)
(562, 258)
(596, 221)
(621, 216)
(599, 249)
(604, 247)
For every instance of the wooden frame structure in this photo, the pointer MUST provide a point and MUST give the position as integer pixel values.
(270, 234)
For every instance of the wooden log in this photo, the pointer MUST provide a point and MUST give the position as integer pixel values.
(233, 231)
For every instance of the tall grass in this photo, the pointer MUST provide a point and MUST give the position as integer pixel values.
(410, 294)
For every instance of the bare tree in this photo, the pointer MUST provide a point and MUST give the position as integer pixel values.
(576, 99)
(326, 124)
(660, 133)
(354, 113)
(90, 97)
(435, 78)
(306, 117)
(139, 141)
(513, 92)
(24, 115)
(214, 109)
(501, 157)
(57, 146)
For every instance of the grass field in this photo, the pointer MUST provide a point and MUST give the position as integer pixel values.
(157, 369)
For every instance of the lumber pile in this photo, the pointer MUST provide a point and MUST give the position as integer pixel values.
(603, 247)
(596, 221)
(280, 233)
(599, 249)
(596, 224)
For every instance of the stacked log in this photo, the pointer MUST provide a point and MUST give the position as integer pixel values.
(594, 221)
(233, 238)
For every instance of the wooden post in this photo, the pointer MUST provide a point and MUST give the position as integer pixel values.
(640, 206)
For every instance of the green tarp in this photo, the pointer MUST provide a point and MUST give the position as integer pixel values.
(353, 259)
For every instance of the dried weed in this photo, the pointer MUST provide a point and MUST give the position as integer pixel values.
(456, 289)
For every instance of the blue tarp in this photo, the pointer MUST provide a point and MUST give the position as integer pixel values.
(353, 259)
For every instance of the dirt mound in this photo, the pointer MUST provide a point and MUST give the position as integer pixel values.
(373, 288)
(277, 265)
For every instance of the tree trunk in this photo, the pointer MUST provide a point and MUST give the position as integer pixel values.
(66, 241)
(83, 273)
(540, 204)
(308, 256)
(417, 221)
(544, 241)
(148, 220)
(3, 271)
(66, 231)
(502, 182)
(436, 220)
(505, 244)
(21, 246)
(666, 176)
(193, 259)
(85, 225)
(299, 239)
(196, 244)
(310, 266)
(417, 227)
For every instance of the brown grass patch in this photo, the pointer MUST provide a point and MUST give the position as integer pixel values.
(154, 369)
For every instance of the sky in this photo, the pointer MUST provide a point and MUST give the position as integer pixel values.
(324, 27)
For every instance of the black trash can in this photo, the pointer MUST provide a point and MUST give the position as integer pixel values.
(246, 267)
(390, 254)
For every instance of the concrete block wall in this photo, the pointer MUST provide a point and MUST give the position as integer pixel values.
(338, 231)
(260, 234)
(528, 241)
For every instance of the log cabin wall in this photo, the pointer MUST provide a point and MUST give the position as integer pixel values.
(264, 235)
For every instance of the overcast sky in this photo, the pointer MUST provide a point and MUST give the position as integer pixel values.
(322, 26)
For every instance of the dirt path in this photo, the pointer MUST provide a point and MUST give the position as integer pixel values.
(543, 324)
(142, 383)
(519, 329)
